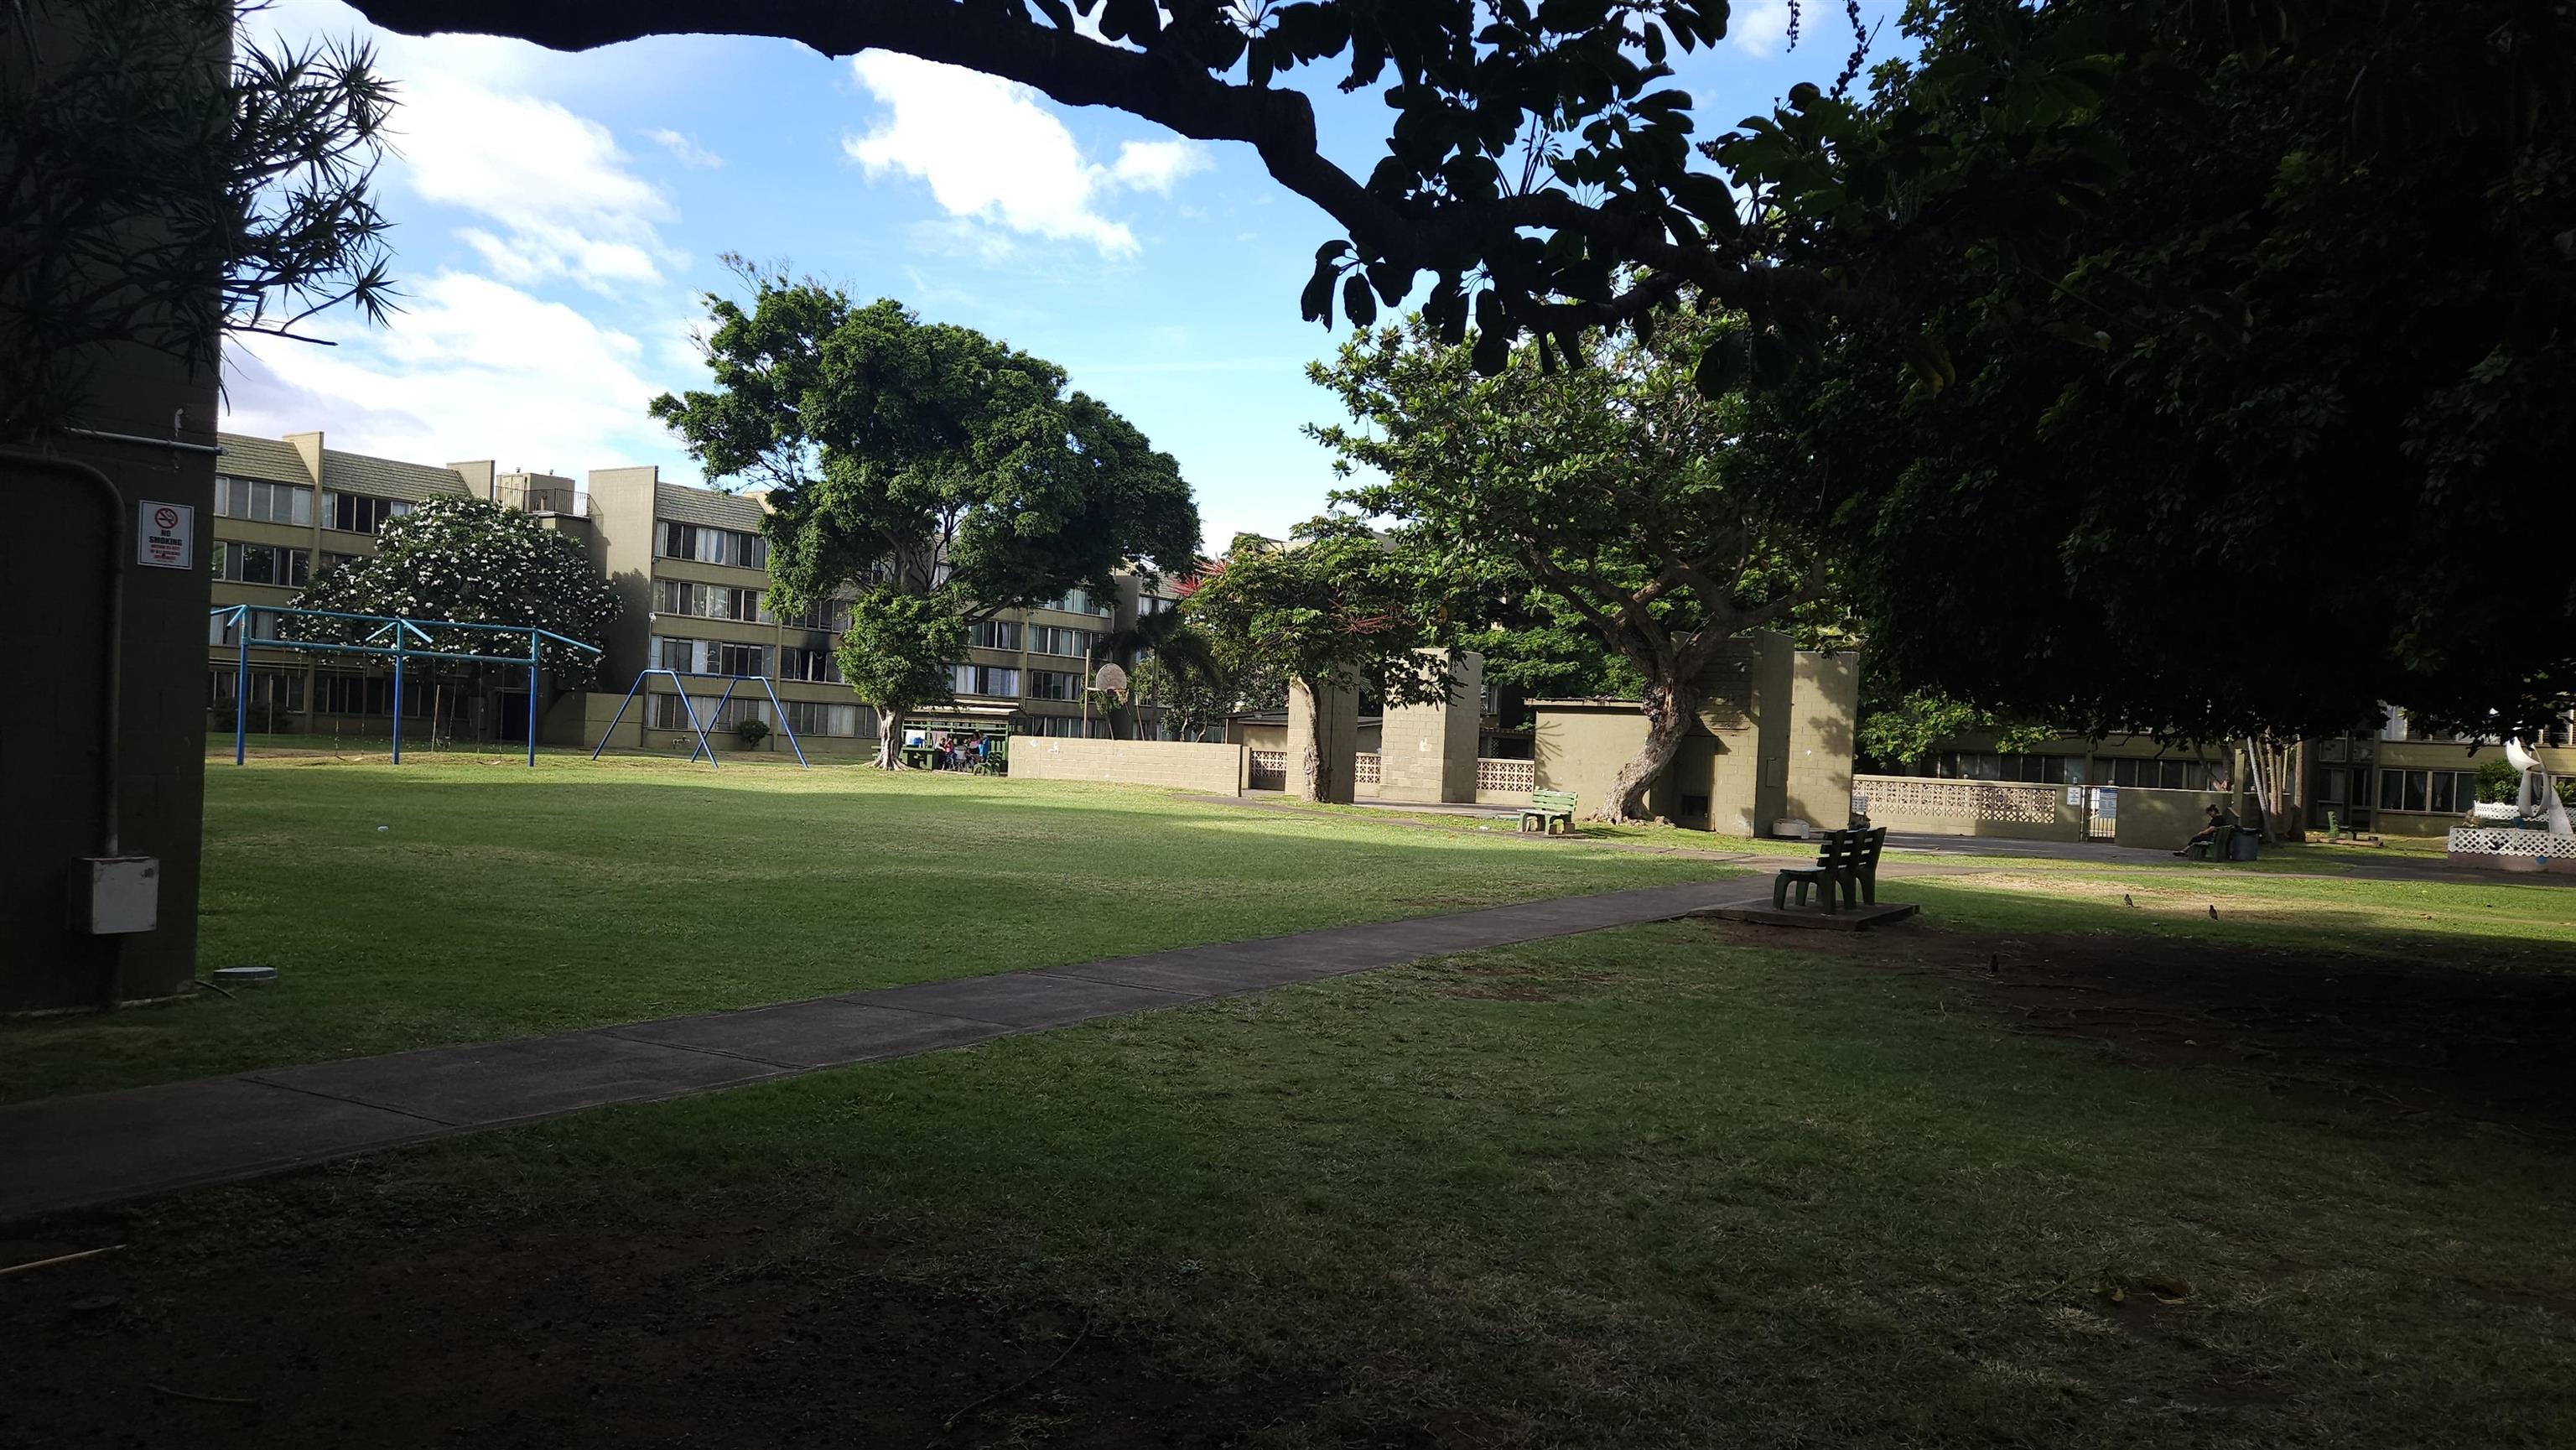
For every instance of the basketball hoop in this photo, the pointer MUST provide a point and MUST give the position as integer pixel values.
(1110, 681)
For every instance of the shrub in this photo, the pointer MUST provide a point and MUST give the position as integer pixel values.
(750, 730)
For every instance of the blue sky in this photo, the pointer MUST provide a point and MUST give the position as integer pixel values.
(558, 216)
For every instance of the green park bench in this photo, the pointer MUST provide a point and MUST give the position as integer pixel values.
(1550, 812)
(1846, 870)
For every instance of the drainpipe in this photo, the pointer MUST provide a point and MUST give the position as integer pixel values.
(110, 694)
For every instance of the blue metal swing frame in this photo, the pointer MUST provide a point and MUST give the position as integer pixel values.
(389, 640)
(680, 688)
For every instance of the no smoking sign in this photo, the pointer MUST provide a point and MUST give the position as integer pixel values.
(165, 535)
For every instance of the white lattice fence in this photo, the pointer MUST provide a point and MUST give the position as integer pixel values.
(1270, 770)
(2494, 841)
(1958, 800)
(1365, 772)
(1495, 774)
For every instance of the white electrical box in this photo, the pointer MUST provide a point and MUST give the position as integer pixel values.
(122, 895)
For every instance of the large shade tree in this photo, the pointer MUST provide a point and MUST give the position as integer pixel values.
(2217, 363)
(1538, 150)
(925, 471)
(1612, 490)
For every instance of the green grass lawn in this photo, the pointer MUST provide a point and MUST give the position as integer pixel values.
(1637, 1188)
(466, 899)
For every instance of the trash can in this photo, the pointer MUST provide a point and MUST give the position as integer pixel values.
(2244, 846)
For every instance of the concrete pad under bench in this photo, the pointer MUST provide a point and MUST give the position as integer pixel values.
(1850, 918)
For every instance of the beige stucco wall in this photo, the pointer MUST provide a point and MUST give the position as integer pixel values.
(2162, 820)
(1428, 752)
(1579, 746)
(1977, 817)
(1824, 704)
(1211, 768)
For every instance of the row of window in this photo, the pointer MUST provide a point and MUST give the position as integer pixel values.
(2440, 792)
(830, 614)
(712, 546)
(710, 601)
(816, 666)
(262, 563)
(2149, 773)
(805, 717)
(709, 656)
(1046, 639)
(261, 501)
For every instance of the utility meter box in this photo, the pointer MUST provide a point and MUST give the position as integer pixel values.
(116, 895)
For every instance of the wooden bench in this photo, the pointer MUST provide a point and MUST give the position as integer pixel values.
(1846, 870)
(1550, 812)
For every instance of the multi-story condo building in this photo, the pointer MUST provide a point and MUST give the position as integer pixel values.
(286, 510)
(689, 564)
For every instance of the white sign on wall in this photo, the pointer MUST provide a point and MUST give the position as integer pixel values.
(165, 535)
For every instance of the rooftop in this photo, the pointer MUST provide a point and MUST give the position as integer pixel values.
(280, 462)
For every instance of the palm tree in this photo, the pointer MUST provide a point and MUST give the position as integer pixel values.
(1169, 640)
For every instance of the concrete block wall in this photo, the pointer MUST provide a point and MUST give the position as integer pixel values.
(2161, 820)
(1181, 765)
(1428, 752)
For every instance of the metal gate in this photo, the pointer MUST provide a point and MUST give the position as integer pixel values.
(2101, 812)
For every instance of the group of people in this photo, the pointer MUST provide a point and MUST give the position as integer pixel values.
(948, 752)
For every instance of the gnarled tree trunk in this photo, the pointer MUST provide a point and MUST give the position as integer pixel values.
(1668, 707)
(890, 738)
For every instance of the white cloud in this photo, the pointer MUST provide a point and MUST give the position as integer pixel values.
(471, 368)
(993, 153)
(689, 152)
(1759, 28)
(559, 192)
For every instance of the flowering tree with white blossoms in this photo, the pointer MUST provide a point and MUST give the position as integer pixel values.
(476, 562)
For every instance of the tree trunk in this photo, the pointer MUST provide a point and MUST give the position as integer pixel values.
(889, 738)
(1317, 776)
(1668, 707)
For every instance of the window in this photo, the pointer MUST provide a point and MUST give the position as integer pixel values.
(270, 689)
(262, 563)
(668, 714)
(709, 601)
(1149, 605)
(737, 659)
(1074, 601)
(812, 717)
(220, 628)
(673, 654)
(971, 679)
(1047, 639)
(268, 503)
(2437, 792)
(997, 634)
(830, 614)
(331, 561)
(1054, 685)
(359, 513)
(341, 692)
(714, 546)
(2159, 773)
(1069, 726)
(808, 664)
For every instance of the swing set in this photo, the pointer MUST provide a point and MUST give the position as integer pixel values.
(392, 637)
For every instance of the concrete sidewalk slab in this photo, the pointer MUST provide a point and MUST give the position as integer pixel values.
(63, 1152)
(1023, 999)
(491, 1083)
(824, 1033)
(67, 1153)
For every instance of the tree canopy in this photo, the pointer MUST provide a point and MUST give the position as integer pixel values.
(1536, 154)
(2211, 372)
(165, 189)
(933, 474)
(475, 562)
(1612, 491)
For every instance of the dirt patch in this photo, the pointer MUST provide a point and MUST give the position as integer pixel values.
(2417, 1039)
(592, 1335)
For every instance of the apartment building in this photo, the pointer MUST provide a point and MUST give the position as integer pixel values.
(286, 510)
(691, 567)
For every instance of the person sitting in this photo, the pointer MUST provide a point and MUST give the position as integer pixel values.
(2208, 837)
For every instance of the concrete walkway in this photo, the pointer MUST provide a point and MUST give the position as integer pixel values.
(76, 1152)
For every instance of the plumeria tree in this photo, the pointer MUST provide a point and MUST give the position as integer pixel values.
(475, 562)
